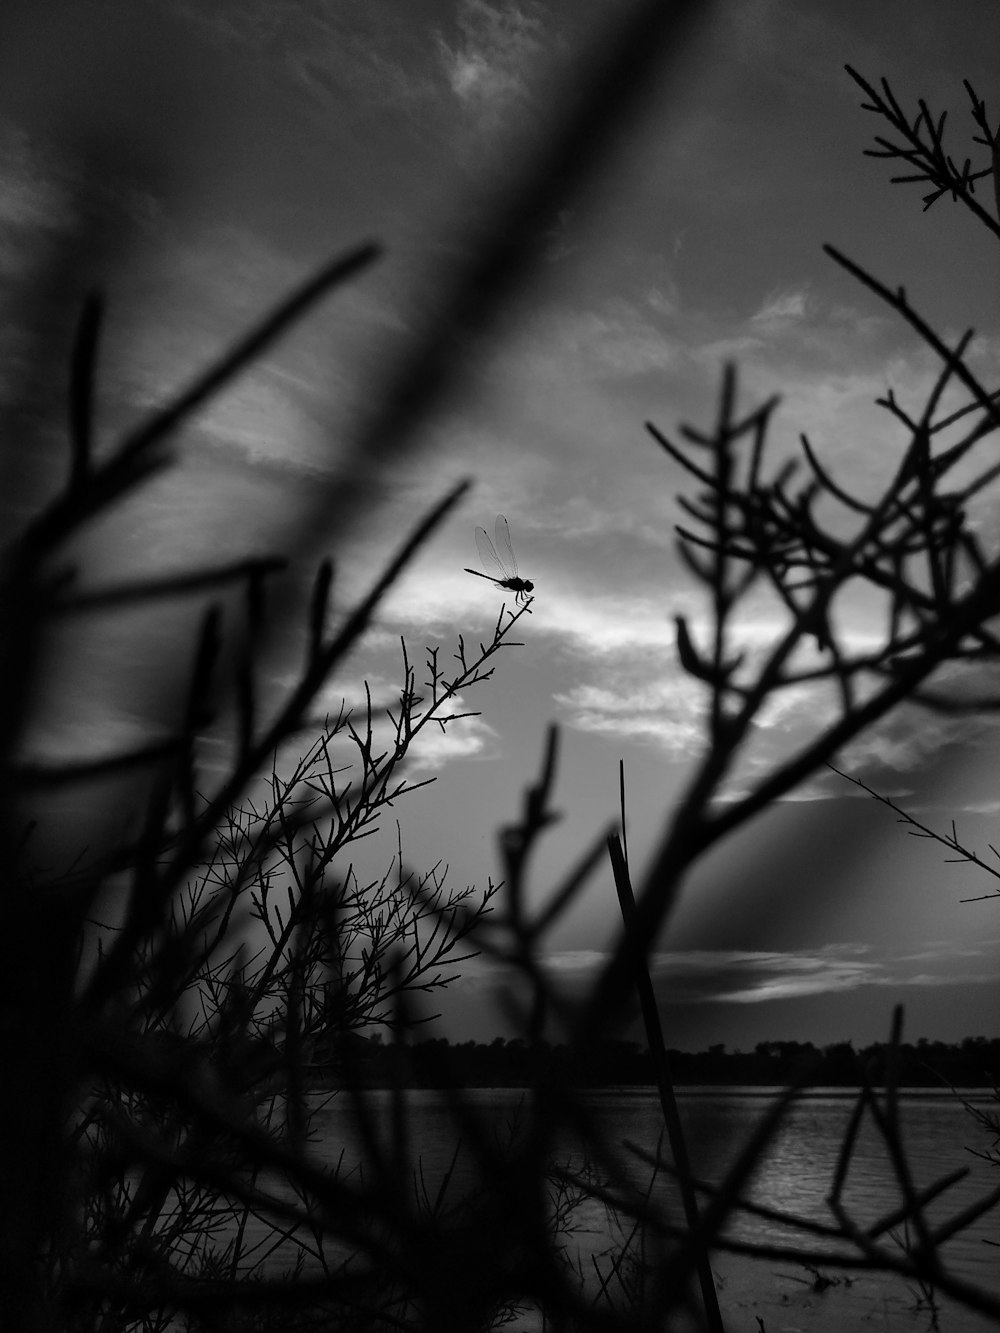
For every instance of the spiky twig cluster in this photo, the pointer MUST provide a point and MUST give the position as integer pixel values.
(922, 148)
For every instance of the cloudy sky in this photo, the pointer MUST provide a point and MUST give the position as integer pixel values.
(196, 161)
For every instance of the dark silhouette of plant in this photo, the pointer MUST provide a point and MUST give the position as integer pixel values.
(256, 979)
(915, 546)
(806, 543)
(171, 1002)
(145, 1055)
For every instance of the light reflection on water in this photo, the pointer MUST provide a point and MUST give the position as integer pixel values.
(796, 1172)
(794, 1176)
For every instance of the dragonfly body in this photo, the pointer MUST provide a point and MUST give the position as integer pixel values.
(500, 559)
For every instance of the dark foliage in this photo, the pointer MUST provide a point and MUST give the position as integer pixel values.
(159, 1114)
(434, 1062)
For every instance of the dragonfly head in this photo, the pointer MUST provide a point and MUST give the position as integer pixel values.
(527, 585)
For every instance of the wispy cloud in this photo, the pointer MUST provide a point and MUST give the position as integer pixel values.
(490, 61)
(668, 712)
(780, 312)
(989, 807)
(733, 976)
(464, 738)
(330, 51)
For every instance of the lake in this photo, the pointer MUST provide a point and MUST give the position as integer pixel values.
(794, 1176)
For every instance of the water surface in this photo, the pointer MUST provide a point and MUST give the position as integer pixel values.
(794, 1176)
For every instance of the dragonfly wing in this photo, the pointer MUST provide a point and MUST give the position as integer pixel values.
(487, 554)
(505, 552)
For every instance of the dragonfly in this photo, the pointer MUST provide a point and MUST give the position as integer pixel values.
(500, 559)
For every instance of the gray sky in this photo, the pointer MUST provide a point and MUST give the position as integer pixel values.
(216, 154)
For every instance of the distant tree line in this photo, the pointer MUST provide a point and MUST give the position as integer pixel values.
(438, 1063)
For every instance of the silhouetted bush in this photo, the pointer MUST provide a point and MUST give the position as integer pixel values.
(161, 1060)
